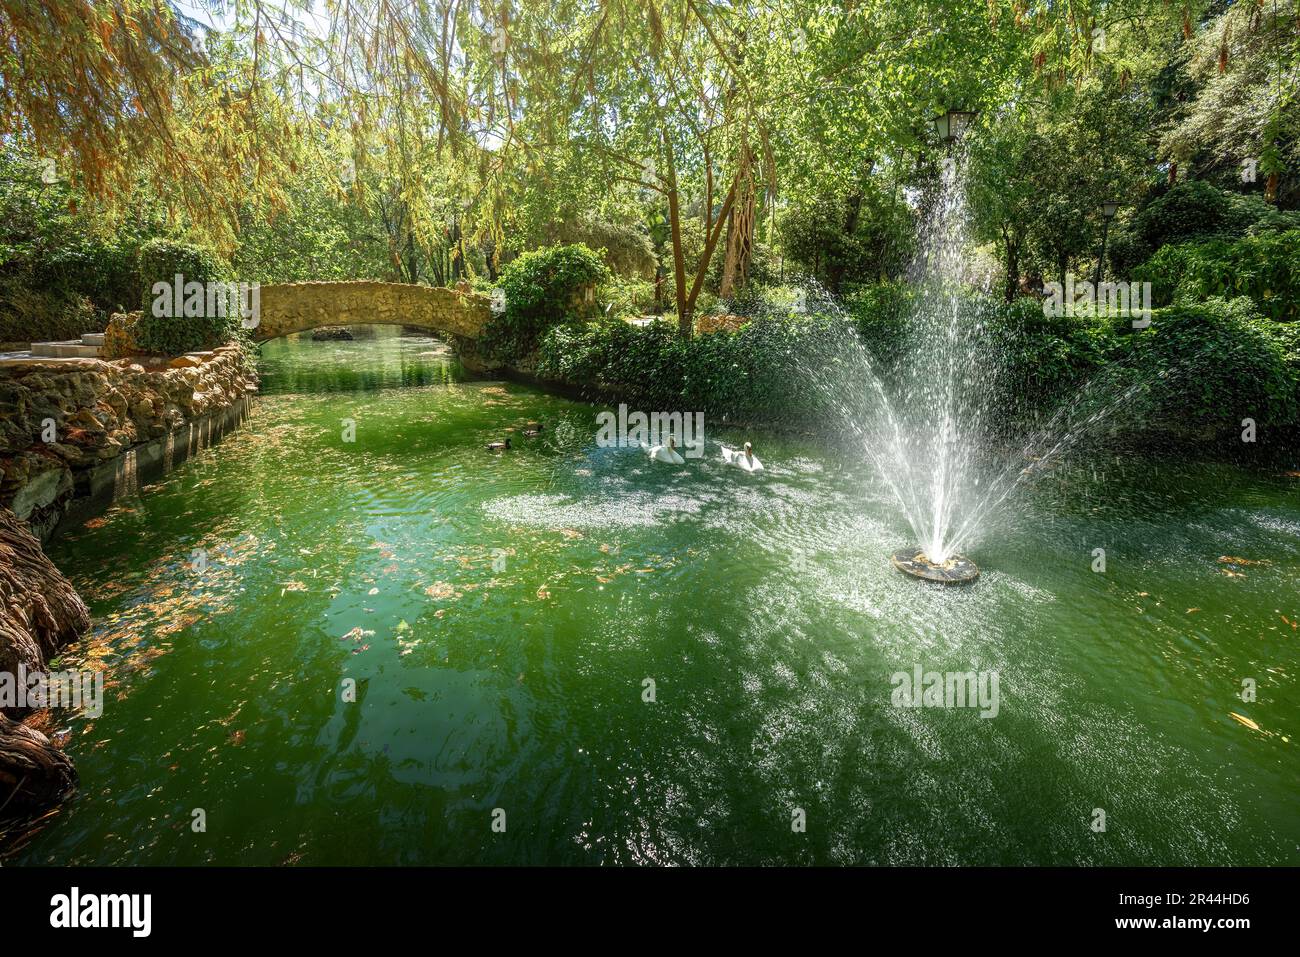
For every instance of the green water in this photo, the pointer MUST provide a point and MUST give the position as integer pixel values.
(763, 608)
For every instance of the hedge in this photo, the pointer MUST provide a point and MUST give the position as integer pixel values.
(160, 260)
(1203, 365)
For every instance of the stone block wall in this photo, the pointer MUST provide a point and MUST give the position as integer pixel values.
(65, 424)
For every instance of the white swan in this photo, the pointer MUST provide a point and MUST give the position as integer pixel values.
(666, 453)
(745, 459)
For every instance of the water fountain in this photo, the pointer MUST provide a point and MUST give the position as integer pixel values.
(930, 426)
(926, 436)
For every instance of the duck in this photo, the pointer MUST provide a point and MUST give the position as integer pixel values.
(742, 459)
(667, 453)
(533, 429)
(499, 446)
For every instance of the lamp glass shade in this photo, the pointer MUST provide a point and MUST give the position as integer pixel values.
(941, 126)
(958, 121)
(1109, 209)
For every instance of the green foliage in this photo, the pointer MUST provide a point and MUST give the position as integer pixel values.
(1195, 209)
(63, 269)
(619, 296)
(161, 260)
(542, 290)
(42, 315)
(862, 237)
(1265, 267)
(1037, 179)
(1223, 361)
(882, 313)
(759, 373)
(320, 238)
(1206, 365)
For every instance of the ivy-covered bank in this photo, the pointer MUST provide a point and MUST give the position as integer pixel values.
(1201, 366)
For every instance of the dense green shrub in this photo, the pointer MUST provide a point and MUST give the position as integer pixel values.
(42, 315)
(770, 370)
(1265, 267)
(161, 260)
(1199, 366)
(1221, 362)
(542, 289)
(62, 270)
(1194, 209)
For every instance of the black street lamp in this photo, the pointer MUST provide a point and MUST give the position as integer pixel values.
(1108, 210)
(952, 124)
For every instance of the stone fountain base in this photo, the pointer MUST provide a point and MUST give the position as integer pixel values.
(955, 571)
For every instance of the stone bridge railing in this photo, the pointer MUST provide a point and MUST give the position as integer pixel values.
(297, 307)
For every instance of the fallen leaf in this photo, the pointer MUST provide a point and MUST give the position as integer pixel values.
(1243, 720)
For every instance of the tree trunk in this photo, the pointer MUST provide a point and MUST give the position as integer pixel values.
(740, 234)
(835, 268)
(686, 300)
(1012, 244)
(40, 612)
(685, 327)
(33, 773)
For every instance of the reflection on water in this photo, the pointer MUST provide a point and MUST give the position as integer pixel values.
(498, 617)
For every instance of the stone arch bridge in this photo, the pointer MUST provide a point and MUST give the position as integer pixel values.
(454, 314)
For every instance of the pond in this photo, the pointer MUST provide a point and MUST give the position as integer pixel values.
(567, 654)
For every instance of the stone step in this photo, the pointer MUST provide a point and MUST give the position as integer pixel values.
(92, 338)
(72, 349)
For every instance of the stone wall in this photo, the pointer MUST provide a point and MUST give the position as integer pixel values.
(296, 307)
(73, 431)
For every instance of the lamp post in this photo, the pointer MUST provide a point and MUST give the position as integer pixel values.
(951, 124)
(1108, 210)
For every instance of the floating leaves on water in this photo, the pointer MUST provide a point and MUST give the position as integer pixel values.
(356, 634)
(543, 593)
(373, 591)
(1232, 560)
(440, 590)
(1191, 610)
(1241, 719)
(402, 627)
(1288, 621)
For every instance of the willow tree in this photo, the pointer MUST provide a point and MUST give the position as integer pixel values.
(650, 95)
(121, 96)
(1244, 65)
